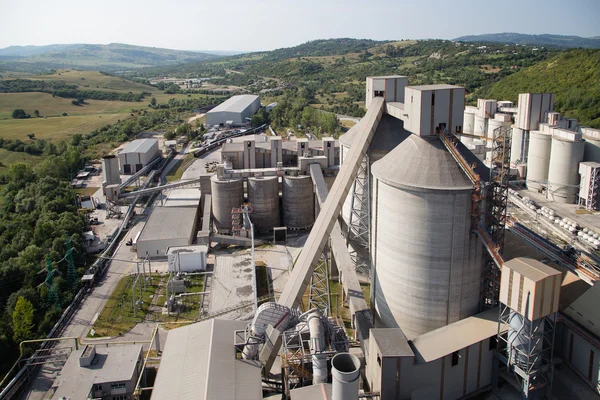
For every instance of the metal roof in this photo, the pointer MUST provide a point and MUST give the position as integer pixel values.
(531, 269)
(198, 362)
(450, 338)
(585, 310)
(169, 223)
(111, 364)
(139, 146)
(421, 163)
(188, 197)
(391, 342)
(235, 104)
(434, 87)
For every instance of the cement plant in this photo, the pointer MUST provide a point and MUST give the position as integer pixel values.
(433, 251)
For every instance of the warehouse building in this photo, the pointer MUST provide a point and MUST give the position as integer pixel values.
(137, 154)
(107, 373)
(234, 111)
(166, 227)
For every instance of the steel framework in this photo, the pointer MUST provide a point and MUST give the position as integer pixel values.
(496, 211)
(358, 237)
(318, 292)
(525, 351)
(592, 201)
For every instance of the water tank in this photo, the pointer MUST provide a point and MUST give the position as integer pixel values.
(538, 158)
(263, 195)
(427, 263)
(480, 127)
(226, 194)
(563, 174)
(298, 202)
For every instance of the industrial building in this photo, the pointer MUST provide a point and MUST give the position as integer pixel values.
(167, 227)
(187, 258)
(100, 372)
(137, 154)
(236, 111)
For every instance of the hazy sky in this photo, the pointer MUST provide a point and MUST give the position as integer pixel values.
(269, 24)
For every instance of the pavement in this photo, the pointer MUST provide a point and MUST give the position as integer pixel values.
(232, 284)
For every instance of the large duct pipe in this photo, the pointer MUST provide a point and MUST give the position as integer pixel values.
(345, 370)
(317, 346)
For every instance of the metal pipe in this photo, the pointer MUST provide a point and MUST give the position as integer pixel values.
(345, 370)
(317, 346)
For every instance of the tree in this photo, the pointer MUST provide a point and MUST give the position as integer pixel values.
(153, 102)
(22, 320)
(36, 113)
(20, 114)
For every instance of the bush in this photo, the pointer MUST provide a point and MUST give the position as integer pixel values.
(20, 114)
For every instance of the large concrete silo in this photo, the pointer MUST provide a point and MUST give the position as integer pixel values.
(263, 195)
(428, 264)
(563, 172)
(226, 194)
(298, 202)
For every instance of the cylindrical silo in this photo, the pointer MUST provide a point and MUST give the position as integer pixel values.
(493, 124)
(226, 194)
(469, 123)
(518, 146)
(263, 195)
(298, 202)
(480, 127)
(563, 174)
(538, 159)
(428, 265)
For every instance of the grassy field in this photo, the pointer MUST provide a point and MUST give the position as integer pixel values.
(54, 106)
(11, 157)
(56, 128)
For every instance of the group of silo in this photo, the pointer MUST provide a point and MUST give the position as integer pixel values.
(553, 162)
(264, 201)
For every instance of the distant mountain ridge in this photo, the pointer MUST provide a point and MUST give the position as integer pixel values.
(109, 57)
(537, 40)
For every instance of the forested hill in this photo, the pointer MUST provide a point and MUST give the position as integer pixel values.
(320, 48)
(537, 40)
(114, 56)
(573, 76)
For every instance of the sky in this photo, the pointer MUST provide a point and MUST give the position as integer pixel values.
(251, 25)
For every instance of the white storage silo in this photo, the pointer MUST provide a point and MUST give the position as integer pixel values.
(538, 159)
(298, 202)
(480, 127)
(563, 174)
(263, 195)
(226, 194)
(427, 264)
(468, 127)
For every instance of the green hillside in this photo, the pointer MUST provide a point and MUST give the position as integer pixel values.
(111, 57)
(573, 76)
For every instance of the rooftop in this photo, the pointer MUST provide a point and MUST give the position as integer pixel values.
(235, 104)
(450, 338)
(194, 248)
(189, 197)
(139, 146)
(111, 364)
(169, 223)
(199, 362)
(585, 310)
(391, 342)
(440, 86)
(531, 269)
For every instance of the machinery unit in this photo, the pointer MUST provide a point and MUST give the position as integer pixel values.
(529, 294)
(430, 109)
(391, 88)
(226, 195)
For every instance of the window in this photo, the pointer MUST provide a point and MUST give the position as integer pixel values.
(591, 366)
(97, 388)
(118, 385)
(455, 357)
(379, 360)
(433, 99)
(379, 93)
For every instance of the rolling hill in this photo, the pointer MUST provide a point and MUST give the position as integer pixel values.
(573, 76)
(537, 40)
(110, 57)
